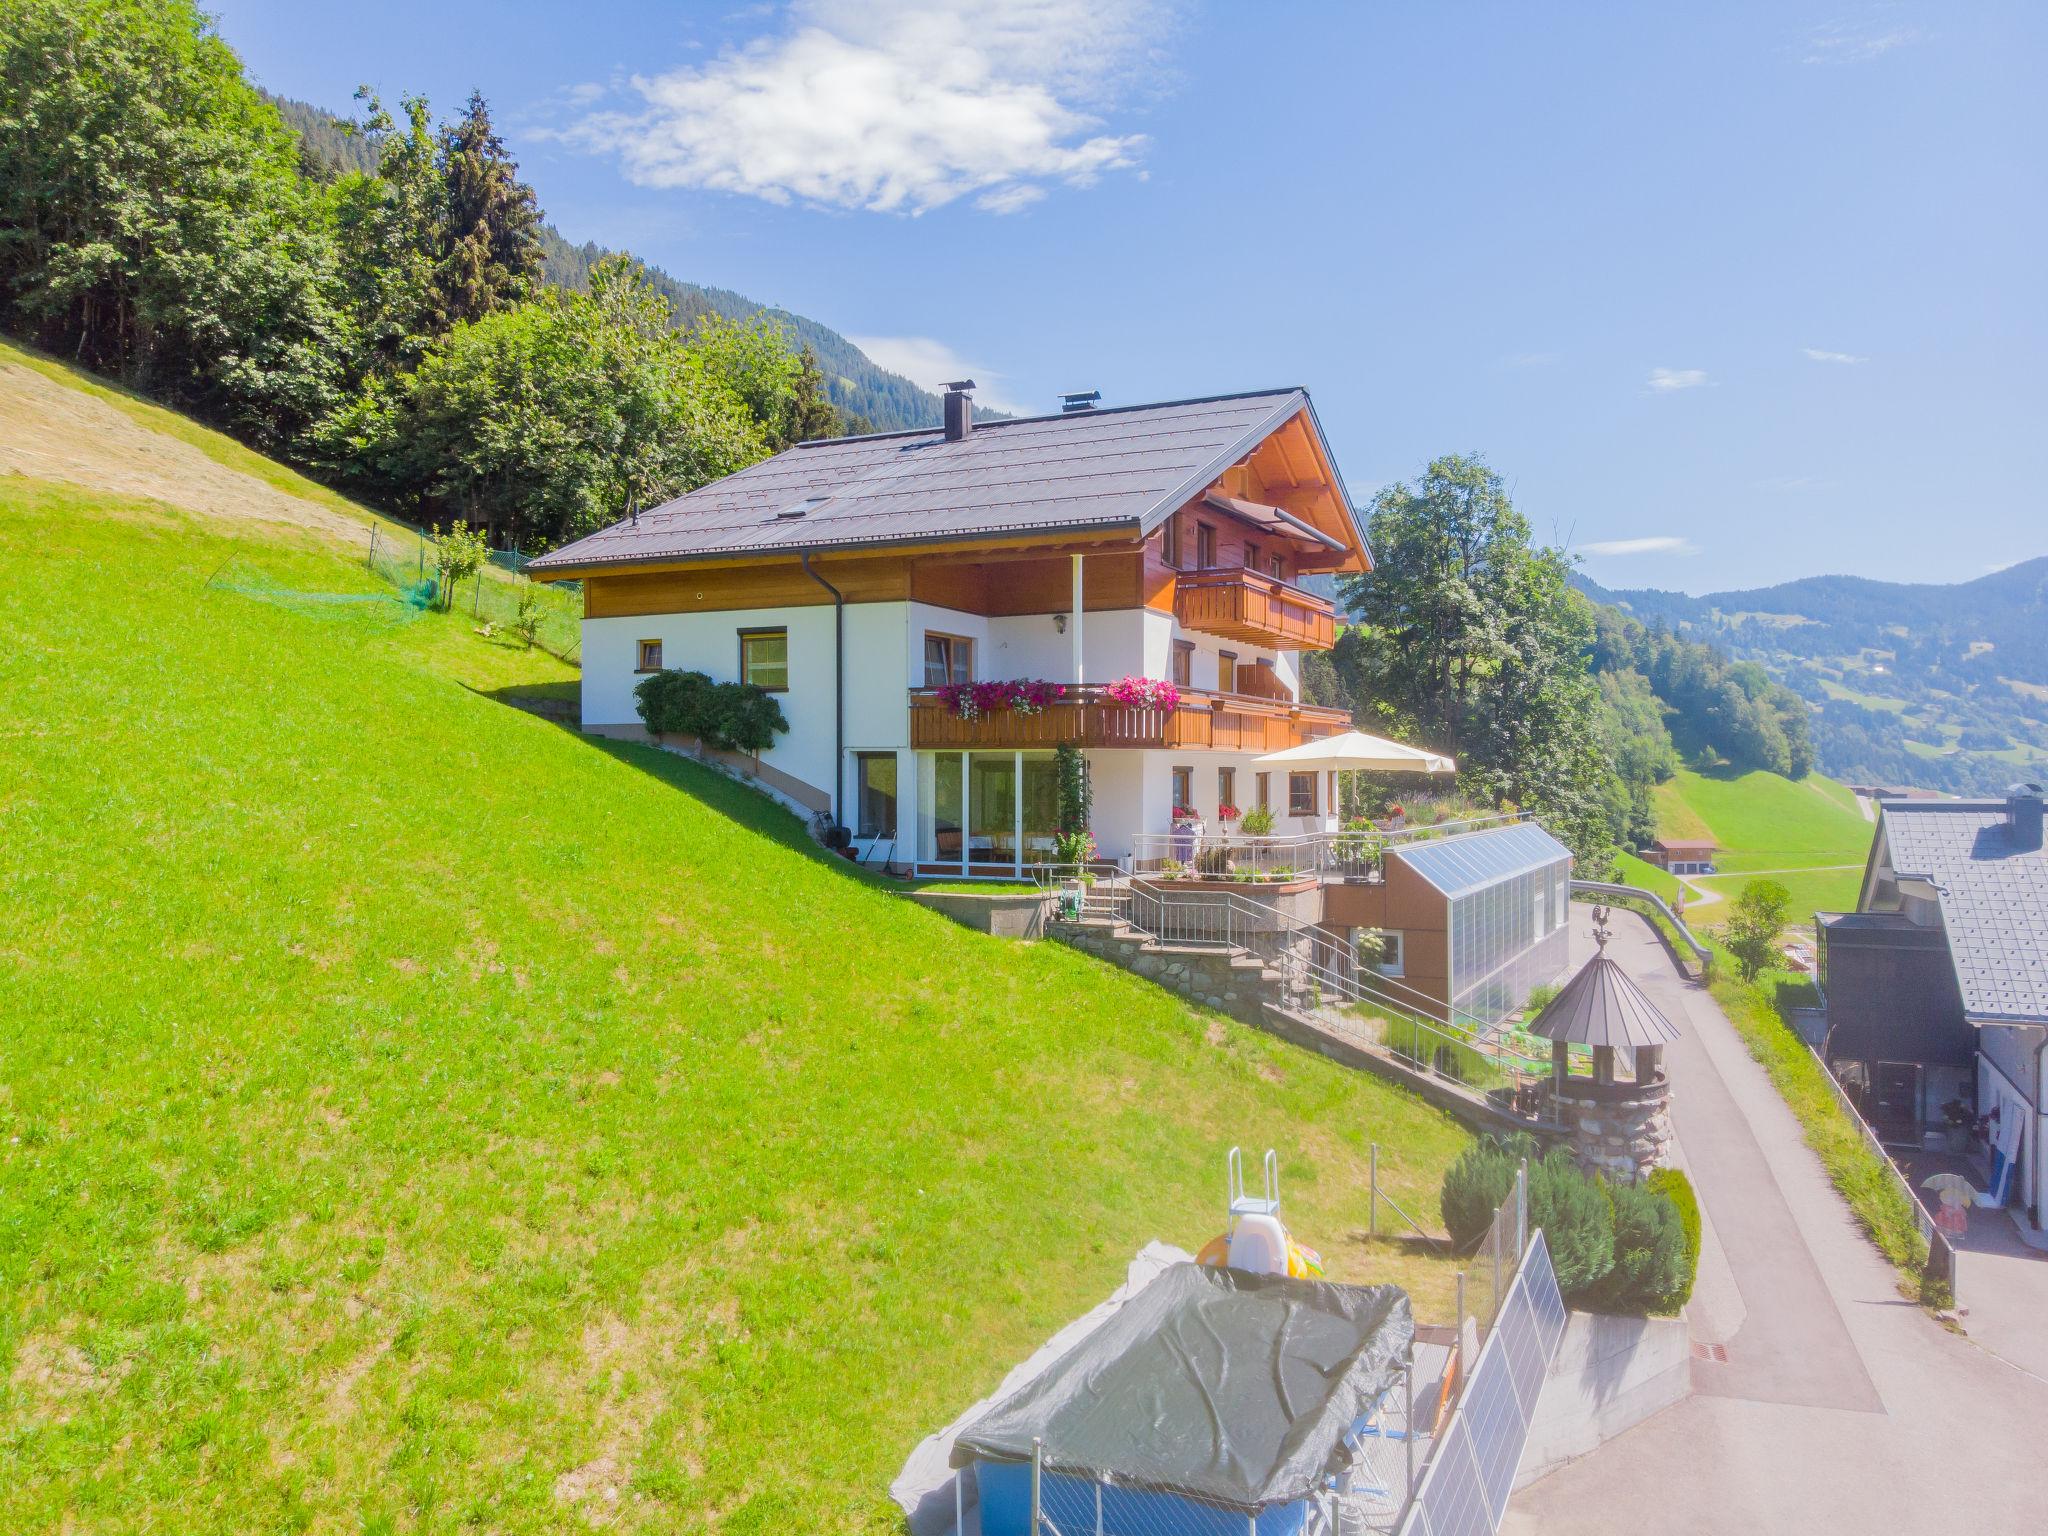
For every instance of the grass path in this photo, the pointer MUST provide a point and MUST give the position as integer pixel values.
(417, 1116)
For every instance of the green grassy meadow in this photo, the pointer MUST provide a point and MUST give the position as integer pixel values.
(416, 1116)
(1806, 834)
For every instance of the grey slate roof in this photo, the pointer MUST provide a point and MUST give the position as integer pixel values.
(1467, 861)
(1127, 466)
(1994, 900)
(1601, 1006)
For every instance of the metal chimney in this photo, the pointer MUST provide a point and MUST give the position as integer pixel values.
(2023, 816)
(1079, 400)
(959, 410)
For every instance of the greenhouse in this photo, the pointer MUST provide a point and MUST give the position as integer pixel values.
(1506, 893)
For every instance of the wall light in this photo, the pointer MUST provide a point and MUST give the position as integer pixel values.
(1059, 622)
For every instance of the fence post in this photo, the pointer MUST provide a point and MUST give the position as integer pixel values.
(1037, 1457)
(1372, 1219)
(1493, 1301)
(370, 561)
(1408, 1422)
(1521, 1210)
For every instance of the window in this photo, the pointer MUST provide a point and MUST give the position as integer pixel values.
(650, 656)
(1226, 671)
(1205, 545)
(1262, 789)
(1279, 568)
(1251, 555)
(1183, 790)
(1301, 794)
(1379, 949)
(1184, 663)
(764, 659)
(1226, 786)
(1169, 542)
(874, 794)
(947, 659)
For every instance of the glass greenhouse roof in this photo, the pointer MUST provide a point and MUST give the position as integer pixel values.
(1472, 860)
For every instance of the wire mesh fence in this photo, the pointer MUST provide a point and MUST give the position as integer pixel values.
(498, 598)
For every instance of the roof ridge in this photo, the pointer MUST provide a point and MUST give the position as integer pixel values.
(1092, 411)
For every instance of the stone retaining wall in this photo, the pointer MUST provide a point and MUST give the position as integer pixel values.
(1218, 978)
(1611, 1373)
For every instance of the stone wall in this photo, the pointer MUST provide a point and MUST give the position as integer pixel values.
(1622, 1130)
(1232, 983)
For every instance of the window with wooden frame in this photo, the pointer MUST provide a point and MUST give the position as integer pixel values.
(1226, 671)
(1279, 567)
(1183, 790)
(1169, 541)
(764, 659)
(1184, 663)
(1301, 794)
(947, 659)
(1226, 787)
(1251, 555)
(1205, 546)
(649, 656)
(1262, 789)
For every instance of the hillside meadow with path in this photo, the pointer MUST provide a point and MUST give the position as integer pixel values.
(1807, 834)
(418, 1115)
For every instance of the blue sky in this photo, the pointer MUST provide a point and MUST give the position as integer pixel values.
(1729, 294)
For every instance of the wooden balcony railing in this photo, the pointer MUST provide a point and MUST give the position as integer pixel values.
(1242, 604)
(1087, 717)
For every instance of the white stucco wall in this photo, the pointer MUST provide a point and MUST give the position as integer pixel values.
(885, 657)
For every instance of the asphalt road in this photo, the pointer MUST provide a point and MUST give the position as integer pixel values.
(1840, 1407)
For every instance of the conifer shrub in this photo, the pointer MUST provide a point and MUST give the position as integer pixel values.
(1650, 1268)
(1677, 1188)
(1577, 1219)
(1477, 1184)
(731, 717)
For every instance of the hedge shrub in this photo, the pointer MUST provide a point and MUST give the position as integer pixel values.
(1649, 1254)
(1677, 1188)
(1478, 1182)
(730, 717)
(1577, 1220)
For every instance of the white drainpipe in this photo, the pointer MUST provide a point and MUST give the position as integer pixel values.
(1074, 622)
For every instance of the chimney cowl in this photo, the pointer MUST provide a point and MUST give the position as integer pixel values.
(2023, 810)
(959, 404)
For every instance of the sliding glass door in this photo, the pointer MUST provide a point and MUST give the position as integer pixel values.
(986, 813)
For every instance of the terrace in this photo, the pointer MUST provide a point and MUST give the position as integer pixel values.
(1085, 715)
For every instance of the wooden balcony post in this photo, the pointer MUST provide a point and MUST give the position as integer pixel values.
(1074, 621)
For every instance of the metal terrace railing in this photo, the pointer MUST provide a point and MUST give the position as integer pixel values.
(1321, 977)
(1347, 854)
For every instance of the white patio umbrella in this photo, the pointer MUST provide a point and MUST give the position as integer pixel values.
(1356, 751)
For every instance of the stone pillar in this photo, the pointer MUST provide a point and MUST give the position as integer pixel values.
(1620, 1130)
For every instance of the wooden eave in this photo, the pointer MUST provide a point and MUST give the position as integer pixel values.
(980, 551)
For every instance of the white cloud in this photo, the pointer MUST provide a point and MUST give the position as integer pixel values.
(896, 106)
(1660, 544)
(1846, 42)
(1664, 380)
(1822, 355)
(933, 365)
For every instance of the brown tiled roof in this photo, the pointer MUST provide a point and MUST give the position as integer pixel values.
(1125, 467)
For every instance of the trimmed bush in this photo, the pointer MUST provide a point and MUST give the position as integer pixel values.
(1649, 1254)
(730, 717)
(1677, 1188)
(1577, 1221)
(1477, 1184)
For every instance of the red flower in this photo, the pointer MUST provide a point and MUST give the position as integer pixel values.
(1227, 813)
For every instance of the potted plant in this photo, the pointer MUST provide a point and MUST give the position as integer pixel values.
(1257, 822)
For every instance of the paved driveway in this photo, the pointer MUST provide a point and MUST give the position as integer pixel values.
(1840, 1406)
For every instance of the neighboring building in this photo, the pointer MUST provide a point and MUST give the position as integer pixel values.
(1936, 987)
(857, 577)
(1683, 855)
(1471, 921)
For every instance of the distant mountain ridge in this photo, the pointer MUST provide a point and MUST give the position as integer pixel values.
(1941, 686)
(870, 396)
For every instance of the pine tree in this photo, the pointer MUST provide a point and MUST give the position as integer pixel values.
(491, 249)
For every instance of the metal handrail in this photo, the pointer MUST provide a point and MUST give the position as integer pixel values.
(1287, 944)
(1350, 853)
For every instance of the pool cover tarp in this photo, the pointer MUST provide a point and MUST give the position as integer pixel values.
(1222, 1385)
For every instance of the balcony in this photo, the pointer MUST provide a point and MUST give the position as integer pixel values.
(1242, 604)
(1087, 717)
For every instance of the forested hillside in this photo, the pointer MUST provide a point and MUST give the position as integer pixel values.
(1944, 687)
(373, 305)
(869, 398)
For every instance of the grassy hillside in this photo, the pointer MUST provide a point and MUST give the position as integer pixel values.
(1807, 834)
(419, 1116)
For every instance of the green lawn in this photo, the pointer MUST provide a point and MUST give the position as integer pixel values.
(1812, 891)
(1764, 821)
(417, 1116)
(1631, 870)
